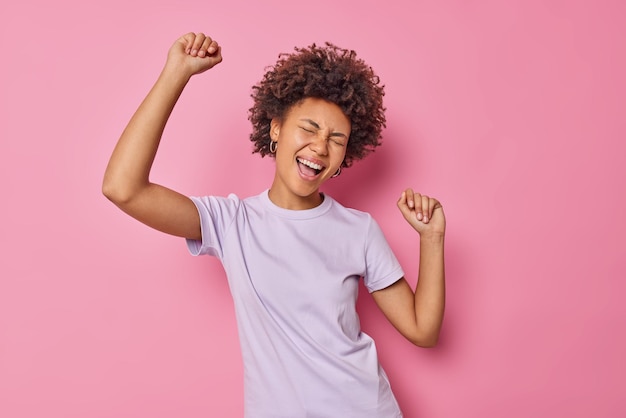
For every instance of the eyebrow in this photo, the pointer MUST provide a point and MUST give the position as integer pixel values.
(317, 126)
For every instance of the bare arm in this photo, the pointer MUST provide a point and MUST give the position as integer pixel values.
(126, 179)
(418, 315)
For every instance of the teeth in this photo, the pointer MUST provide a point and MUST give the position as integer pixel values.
(310, 164)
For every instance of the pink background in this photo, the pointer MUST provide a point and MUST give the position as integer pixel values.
(512, 113)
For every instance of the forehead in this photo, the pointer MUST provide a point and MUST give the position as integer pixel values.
(326, 114)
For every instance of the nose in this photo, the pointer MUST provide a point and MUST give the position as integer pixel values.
(319, 144)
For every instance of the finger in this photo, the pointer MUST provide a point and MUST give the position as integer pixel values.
(425, 209)
(187, 40)
(402, 203)
(203, 51)
(419, 206)
(406, 211)
(197, 44)
(213, 47)
(434, 204)
(218, 54)
(410, 197)
(402, 199)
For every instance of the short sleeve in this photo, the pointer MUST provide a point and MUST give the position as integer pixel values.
(217, 214)
(382, 267)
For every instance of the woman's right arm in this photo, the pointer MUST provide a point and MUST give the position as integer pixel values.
(126, 179)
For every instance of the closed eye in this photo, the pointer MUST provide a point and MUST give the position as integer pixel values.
(336, 137)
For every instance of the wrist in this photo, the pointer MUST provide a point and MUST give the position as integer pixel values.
(432, 238)
(175, 74)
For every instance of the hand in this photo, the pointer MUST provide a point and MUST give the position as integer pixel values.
(194, 53)
(423, 213)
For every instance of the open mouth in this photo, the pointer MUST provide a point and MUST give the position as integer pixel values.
(309, 168)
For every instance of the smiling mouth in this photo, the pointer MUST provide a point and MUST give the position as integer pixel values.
(309, 168)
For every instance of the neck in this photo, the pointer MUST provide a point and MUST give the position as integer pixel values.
(296, 202)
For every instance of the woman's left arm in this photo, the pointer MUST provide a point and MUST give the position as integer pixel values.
(418, 315)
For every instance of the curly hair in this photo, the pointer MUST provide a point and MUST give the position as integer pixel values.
(330, 73)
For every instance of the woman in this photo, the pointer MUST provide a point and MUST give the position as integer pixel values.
(293, 256)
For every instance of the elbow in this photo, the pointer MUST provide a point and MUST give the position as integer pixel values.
(422, 340)
(110, 191)
(430, 343)
(115, 192)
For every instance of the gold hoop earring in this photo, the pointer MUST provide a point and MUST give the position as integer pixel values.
(337, 173)
(273, 146)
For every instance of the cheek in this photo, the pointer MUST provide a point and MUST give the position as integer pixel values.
(340, 155)
(300, 139)
(292, 139)
(281, 155)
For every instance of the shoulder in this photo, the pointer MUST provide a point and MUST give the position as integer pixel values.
(354, 215)
(217, 203)
(359, 221)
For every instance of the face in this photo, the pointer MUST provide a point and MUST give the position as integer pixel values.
(311, 145)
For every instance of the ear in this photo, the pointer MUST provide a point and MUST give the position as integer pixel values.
(274, 129)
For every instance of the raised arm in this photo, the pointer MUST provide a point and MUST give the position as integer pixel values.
(418, 315)
(126, 179)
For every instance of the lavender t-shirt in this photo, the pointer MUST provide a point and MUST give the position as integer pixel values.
(294, 278)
